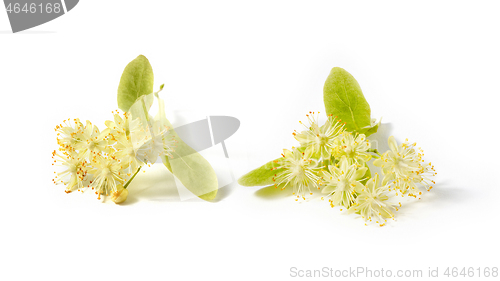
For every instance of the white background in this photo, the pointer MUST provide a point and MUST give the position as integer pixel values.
(429, 68)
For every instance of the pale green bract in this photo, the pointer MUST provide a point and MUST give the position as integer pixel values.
(194, 171)
(265, 174)
(344, 99)
(261, 176)
(135, 95)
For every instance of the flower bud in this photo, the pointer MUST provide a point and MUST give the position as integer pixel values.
(120, 195)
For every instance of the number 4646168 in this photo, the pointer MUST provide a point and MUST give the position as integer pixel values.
(471, 272)
(34, 8)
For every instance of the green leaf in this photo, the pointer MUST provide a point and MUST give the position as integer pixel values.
(262, 175)
(343, 98)
(372, 129)
(194, 171)
(137, 80)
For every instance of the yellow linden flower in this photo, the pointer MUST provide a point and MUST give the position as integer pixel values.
(74, 170)
(372, 202)
(319, 140)
(402, 168)
(409, 184)
(120, 126)
(68, 134)
(126, 153)
(92, 141)
(353, 147)
(341, 182)
(107, 175)
(299, 172)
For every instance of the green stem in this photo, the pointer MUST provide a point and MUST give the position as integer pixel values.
(145, 109)
(374, 151)
(130, 180)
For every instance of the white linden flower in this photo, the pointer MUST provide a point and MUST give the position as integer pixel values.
(157, 143)
(353, 147)
(299, 172)
(162, 142)
(373, 202)
(93, 141)
(402, 167)
(107, 175)
(341, 182)
(320, 140)
(74, 171)
(69, 135)
(409, 184)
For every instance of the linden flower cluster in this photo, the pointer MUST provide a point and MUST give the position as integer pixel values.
(107, 161)
(334, 161)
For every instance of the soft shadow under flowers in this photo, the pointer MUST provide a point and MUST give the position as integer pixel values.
(271, 192)
(155, 183)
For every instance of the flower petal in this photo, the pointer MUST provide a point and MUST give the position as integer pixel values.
(387, 178)
(393, 145)
(329, 189)
(358, 187)
(344, 164)
(365, 157)
(360, 173)
(378, 162)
